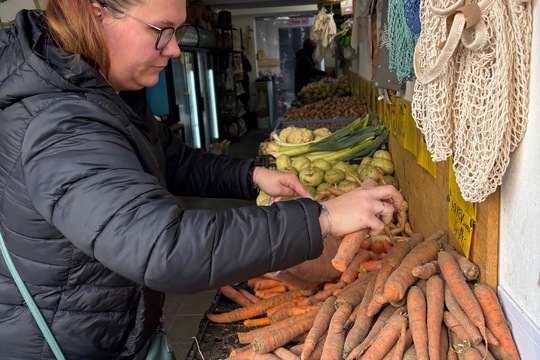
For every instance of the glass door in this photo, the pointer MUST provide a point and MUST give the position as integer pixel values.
(209, 122)
(186, 95)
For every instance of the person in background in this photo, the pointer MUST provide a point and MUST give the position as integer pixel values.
(306, 69)
(89, 186)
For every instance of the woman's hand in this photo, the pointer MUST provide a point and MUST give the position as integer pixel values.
(279, 184)
(363, 208)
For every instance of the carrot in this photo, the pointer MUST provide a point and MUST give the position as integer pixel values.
(265, 295)
(317, 353)
(435, 310)
(257, 308)
(246, 337)
(486, 355)
(362, 323)
(469, 353)
(350, 321)
(347, 249)
(388, 336)
(291, 302)
(389, 264)
(453, 325)
(366, 243)
(333, 346)
(249, 295)
(496, 321)
(234, 295)
(377, 327)
(469, 269)
(282, 333)
(320, 326)
(267, 356)
(353, 293)
(379, 246)
(274, 289)
(427, 270)
(451, 354)
(461, 291)
(444, 342)
(324, 294)
(402, 278)
(410, 354)
(287, 311)
(473, 334)
(371, 265)
(398, 350)
(263, 283)
(285, 354)
(351, 272)
(242, 355)
(257, 322)
(417, 310)
(240, 350)
(297, 349)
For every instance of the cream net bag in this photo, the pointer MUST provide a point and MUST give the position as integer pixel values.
(471, 94)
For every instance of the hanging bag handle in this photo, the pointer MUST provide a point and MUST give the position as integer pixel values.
(30, 302)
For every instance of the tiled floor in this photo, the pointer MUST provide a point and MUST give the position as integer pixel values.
(183, 313)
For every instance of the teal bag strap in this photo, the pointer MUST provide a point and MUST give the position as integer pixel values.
(30, 302)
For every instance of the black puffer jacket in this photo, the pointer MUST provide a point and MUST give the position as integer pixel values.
(89, 214)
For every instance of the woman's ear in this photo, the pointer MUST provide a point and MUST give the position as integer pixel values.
(98, 10)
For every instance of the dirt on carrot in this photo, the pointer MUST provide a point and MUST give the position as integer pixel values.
(417, 311)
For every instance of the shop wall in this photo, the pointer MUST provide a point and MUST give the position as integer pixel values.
(519, 243)
(9, 9)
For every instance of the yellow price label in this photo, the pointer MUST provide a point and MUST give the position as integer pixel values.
(461, 214)
(424, 158)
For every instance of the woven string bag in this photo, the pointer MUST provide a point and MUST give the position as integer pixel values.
(432, 96)
(401, 42)
(486, 124)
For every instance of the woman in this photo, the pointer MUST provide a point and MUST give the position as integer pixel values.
(88, 186)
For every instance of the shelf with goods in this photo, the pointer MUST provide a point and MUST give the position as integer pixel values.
(229, 74)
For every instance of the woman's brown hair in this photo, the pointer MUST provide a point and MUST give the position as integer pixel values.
(75, 27)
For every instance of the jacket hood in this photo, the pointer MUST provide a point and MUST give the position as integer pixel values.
(31, 63)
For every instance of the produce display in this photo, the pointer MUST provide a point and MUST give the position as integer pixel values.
(396, 295)
(354, 141)
(326, 87)
(329, 108)
(399, 295)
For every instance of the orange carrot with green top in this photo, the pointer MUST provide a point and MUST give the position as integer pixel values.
(496, 321)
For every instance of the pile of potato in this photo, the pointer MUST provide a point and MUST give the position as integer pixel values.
(330, 108)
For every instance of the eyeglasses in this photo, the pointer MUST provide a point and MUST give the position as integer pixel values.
(164, 35)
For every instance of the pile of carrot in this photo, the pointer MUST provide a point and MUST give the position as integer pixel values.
(400, 296)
